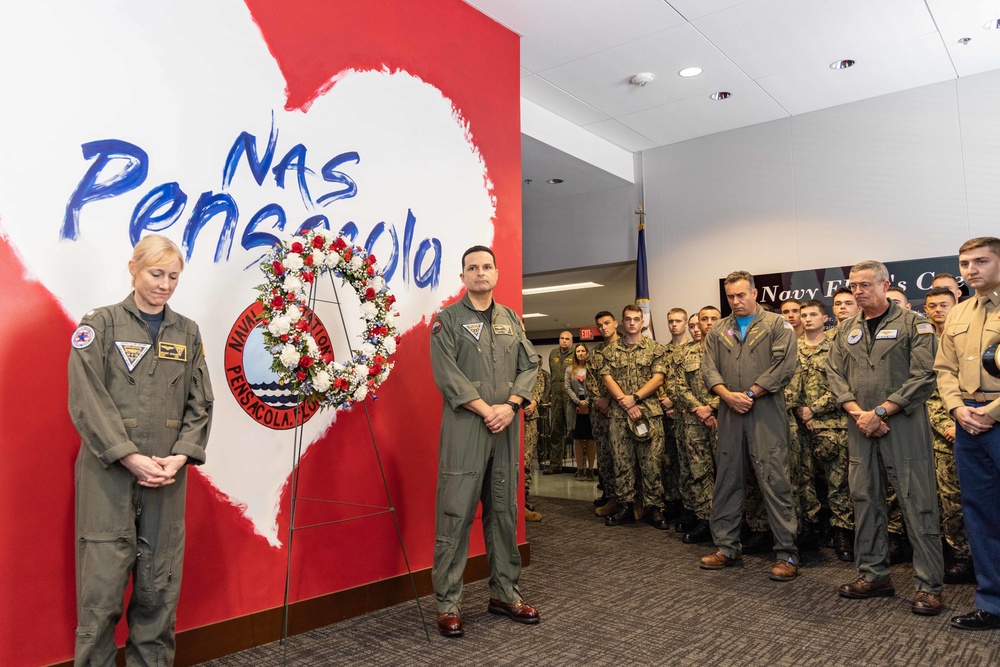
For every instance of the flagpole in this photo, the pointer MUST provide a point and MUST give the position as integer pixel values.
(642, 278)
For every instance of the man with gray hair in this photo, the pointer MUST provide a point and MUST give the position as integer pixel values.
(881, 372)
(749, 358)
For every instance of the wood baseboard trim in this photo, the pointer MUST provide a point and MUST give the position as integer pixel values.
(238, 634)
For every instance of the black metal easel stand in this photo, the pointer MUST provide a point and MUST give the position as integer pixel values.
(297, 447)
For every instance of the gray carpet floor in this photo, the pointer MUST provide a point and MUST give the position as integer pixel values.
(633, 595)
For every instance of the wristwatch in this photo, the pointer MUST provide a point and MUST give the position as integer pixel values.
(881, 412)
(635, 397)
(514, 406)
(751, 394)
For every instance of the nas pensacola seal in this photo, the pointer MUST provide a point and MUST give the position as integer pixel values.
(82, 337)
(854, 336)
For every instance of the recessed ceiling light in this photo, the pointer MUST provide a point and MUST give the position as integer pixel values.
(527, 181)
(559, 288)
(842, 64)
(527, 315)
(965, 40)
(554, 181)
(690, 71)
(721, 95)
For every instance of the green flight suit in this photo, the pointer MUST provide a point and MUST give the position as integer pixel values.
(896, 366)
(759, 438)
(129, 394)
(558, 363)
(472, 358)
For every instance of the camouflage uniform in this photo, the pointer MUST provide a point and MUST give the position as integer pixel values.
(631, 367)
(949, 495)
(599, 423)
(828, 445)
(800, 463)
(699, 441)
(676, 468)
(538, 395)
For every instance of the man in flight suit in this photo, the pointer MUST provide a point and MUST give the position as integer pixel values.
(749, 358)
(485, 368)
(880, 370)
(560, 359)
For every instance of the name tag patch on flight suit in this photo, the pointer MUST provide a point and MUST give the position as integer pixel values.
(887, 334)
(172, 351)
(502, 330)
(924, 328)
(476, 329)
(132, 352)
(854, 336)
(82, 337)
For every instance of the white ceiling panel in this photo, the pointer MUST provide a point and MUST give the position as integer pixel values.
(918, 62)
(767, 37)
(979, 55)
(525, 73)
(558, 31)
(616, 133)
(556, 100)
(601, 80)
(693, 9)
(540, 162)
(698, 116)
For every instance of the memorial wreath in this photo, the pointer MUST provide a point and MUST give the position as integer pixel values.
(290, 270)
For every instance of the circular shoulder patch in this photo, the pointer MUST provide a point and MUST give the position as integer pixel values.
(854, 336)
(82, 337)
(436, 327)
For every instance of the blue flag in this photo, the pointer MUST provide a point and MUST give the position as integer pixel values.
(642, 279)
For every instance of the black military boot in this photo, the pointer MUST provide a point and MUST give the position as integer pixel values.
(759, 543)
(623, 516)
(700, 534)
(686, 523)
(808, 539)
(654, 517)
(674, 511)
(899, 549)
(960, 572)
(843, 544)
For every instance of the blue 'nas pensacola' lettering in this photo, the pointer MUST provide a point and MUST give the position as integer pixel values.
(119, 167)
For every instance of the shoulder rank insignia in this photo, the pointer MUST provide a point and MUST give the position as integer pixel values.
(132, 353)
(171, 351)
(475, 328)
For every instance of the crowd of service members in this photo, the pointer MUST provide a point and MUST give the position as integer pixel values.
(788, 432)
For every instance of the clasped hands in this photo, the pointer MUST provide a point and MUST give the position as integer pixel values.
(154, 471)
(973, 420)
(631, 407)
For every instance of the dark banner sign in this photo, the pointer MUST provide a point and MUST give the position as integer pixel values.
(913, 276)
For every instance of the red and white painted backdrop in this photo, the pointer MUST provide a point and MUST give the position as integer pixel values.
(227, 125)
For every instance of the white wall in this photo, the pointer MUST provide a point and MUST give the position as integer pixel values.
(583, 230)
(902, 176)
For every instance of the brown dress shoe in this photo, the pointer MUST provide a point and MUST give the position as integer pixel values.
(517, 611)
(450, 624)
(862, 589)
(719, 560)
(782, 570)
(532, 516)
(608, 508)
(926, 604)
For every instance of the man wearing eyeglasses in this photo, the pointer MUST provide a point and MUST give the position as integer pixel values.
(881, 373)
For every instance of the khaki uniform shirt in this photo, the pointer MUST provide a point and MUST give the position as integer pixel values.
(959, 362)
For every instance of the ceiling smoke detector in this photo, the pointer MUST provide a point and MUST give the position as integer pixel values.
(642, 78)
